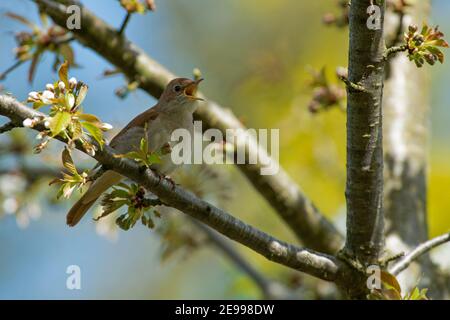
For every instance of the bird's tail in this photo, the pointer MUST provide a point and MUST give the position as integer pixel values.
(103, 183)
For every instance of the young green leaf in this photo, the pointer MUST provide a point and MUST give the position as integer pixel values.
(95, 132)
(63, 73)
(81, 95)
(68, 162)
(59, 122)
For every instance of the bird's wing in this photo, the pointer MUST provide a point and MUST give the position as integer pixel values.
(137, 123)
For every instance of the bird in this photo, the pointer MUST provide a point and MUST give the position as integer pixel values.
(174, 110)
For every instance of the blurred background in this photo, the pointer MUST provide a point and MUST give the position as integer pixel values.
(254, 56)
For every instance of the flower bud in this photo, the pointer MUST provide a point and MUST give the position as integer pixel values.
(413, 28)
(73, 82)
(33, 95)
(61, 86)
(50, 87)
(47, 124)
(47, 97)
(29, 123)
(106, 126)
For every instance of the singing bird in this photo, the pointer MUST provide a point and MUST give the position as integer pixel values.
(174, 110)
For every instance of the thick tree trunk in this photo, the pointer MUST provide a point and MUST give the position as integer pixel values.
(364, 189)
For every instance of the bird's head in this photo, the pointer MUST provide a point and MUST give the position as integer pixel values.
(180, 92)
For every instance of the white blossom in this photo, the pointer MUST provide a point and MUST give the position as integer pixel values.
(47, 124)
(61, 85)
(10, 205)
(49, 87)
(73, 82)
(29, 123)
(47, 97)
(106, 126)
(33, 95)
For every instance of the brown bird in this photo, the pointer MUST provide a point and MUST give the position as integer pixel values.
(174, 110)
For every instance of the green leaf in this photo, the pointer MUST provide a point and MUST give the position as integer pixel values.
(81, 95)
(95, 132)
(66, 51)
(88, 117)
(150, 223)
(144, 145)
(119, 193)
(123, 185)
(63, 73)
(390, 281)
(153, 158)
(59, 122)
(110, 209)
(77, 130)
(68, 162)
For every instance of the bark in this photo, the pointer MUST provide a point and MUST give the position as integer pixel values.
(281, 192)
(364, 188)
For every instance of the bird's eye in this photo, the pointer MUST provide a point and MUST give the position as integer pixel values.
(177, 88)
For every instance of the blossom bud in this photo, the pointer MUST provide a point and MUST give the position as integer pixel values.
(106, 126)
(47, 97)
(29, 123)
(33, 95)
(61, 86)
(73, 82)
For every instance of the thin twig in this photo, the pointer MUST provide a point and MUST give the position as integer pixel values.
(10, 69)
(418, 252)
(124, 23)
(393, 50)
(7, 127)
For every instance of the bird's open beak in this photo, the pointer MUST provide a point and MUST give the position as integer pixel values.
(191, 90)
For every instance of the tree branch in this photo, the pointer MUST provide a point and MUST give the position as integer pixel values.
(124, 23)
(292, 205)
(319, 265)
(7, 127)
(364, 190)
(418, 252)
(393, 50)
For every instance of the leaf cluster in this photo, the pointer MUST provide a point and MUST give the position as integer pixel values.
(72, 179)
(423, 46)
(136, 6)
(31, 45)
(138, 206)
(66, 118)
